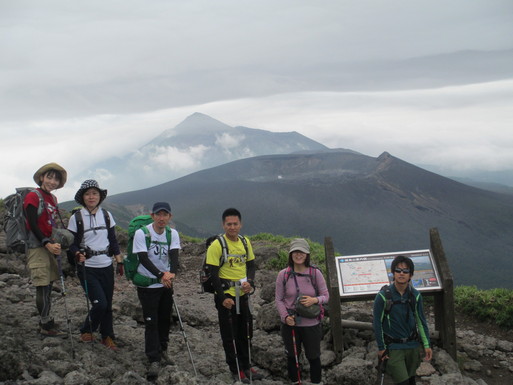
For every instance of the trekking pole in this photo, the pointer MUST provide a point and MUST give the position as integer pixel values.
(68, 320)
(234, 344)
(296, 355)
(249, 352)
(383, 365)
(182, 330)
(86, 289)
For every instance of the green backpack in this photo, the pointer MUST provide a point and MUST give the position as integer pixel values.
(132, 259)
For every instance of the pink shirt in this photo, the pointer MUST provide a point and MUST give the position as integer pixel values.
(286, 294)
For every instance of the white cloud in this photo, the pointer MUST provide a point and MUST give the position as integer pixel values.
(228, 141)
(84, 82)
(174, 159)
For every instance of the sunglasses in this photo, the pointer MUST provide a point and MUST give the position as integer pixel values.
(405, 271)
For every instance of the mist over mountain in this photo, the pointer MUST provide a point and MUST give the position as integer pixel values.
(366, 204)
(196, 143)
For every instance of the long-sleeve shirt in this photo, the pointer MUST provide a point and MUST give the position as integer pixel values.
(402, 321)
(286, 293)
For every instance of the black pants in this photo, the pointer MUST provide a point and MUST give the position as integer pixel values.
(310, 338)
(98, 284)
(157, 305)
(238, 328)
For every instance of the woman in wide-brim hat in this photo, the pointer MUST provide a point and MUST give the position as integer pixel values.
(94, 245)
(86, 185)
(41, 211)
(48, 169)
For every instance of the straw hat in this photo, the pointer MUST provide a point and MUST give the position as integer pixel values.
(49, 167)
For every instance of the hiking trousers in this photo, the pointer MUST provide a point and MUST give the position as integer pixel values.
(238, 327)
(99, 288)
(308, 337)
(157, 305)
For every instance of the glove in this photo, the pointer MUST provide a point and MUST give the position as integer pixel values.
(120, 269)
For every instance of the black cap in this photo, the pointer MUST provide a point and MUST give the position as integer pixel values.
(159, 206)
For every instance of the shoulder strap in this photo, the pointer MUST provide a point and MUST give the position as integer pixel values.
(313, 275)
(168, 238)
(107, 218)
(286, 275)
(41, 205)
(388, 299)
(147, 236)
(224, 249)
(80, 225)
(244, 242)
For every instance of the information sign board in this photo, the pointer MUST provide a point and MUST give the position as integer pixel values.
(366, 273)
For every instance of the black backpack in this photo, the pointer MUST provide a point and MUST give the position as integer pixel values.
(206, 282)
(15, 222)
(80, 229)
(389, 302)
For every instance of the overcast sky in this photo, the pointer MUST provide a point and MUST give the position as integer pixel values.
(430, 82)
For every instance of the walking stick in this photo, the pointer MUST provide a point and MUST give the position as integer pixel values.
(249, 352)
(382, 366)
(234, 344)
(182, 330)
(86, 289)
(68, 320)
(296, 355)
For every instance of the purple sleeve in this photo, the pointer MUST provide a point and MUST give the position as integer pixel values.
(280, 296)
(323, 293)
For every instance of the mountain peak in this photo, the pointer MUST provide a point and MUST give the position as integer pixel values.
(200, 123)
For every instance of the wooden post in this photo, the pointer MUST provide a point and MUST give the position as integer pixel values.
(444, 301)
(335, 316)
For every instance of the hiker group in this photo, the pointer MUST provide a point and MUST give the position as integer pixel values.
(152, 263)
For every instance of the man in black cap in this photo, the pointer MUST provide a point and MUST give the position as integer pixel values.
(158, 261)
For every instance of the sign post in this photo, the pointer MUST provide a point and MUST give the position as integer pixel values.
(361, 277)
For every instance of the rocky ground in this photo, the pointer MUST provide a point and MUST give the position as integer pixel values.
(485, 353)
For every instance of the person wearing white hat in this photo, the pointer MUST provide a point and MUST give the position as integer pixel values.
(94, 245)
(41, 212)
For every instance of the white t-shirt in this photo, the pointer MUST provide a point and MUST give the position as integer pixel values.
(158, 252)
(95, 236)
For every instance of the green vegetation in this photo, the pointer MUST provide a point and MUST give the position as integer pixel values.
(316, 251)
(494, 305)
(188, 238)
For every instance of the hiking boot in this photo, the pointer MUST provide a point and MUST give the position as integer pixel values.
(254, 374)
(164, 357)
(50, 329)
(109, 343)
(243, 377)
(153, 371)
(87, 337)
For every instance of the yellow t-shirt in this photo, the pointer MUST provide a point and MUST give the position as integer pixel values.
(234, 269)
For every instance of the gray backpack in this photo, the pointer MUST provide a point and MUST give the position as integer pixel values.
(15, 224)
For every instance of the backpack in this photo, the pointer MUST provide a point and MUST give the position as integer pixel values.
(389, 302)
(80, 230)
(15, 222)
(206, 281)
(131, 262)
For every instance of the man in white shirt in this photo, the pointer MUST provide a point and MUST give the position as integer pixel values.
(160, 261)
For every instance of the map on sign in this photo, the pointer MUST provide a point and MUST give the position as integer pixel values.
(367, 273)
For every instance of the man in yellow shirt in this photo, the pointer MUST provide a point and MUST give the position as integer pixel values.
(233, 273)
